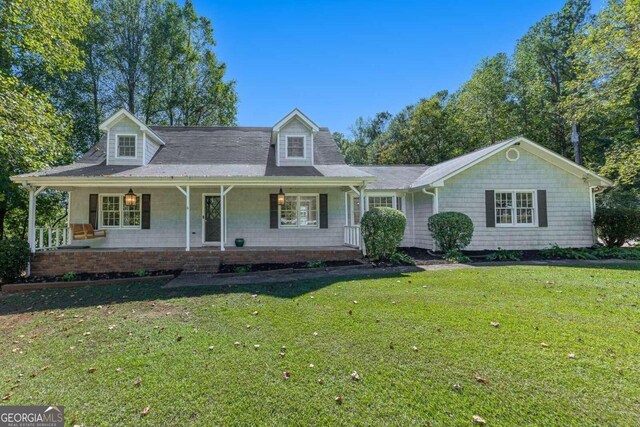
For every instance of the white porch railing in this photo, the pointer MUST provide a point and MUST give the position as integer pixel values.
(52, 238)
(352, 235)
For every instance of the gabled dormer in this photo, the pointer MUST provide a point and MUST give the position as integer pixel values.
(293, 139)
(129, 141)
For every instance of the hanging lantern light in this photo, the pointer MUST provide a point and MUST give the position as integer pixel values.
(281, 197)
(130, 199)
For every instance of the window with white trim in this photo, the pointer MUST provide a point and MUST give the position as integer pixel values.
(126, 146)
(115, 214)
(380, 202)
(515, 208)
(299, 211)
(295, 147)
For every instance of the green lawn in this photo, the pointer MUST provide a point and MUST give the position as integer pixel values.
(181, 345)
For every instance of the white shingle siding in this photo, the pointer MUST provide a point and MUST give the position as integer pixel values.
(568, 202)
(423, 209)
(247, 217)
(295, 128)
(124, 127)
(151, 147)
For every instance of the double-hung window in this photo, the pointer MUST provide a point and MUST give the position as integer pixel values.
(115, 214)
(299, 211)
(515, 208)
(295, 147)
(126, 146)
(380, 202)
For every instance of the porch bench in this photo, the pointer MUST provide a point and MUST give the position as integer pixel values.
(86, 231)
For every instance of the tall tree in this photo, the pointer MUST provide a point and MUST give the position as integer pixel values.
(545, 63)
(34, 36)
(424, 133)
(484, 104)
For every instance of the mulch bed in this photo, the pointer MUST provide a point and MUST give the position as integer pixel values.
(245, 268)
(95, 276)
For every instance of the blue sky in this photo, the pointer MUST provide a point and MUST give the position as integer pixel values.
(337, 60)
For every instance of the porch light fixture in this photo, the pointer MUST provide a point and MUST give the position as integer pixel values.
(281, 197)
(130, 199)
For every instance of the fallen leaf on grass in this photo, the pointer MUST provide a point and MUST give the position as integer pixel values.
(256, 346)
(544, 344)
(281, 354)
(286, 375)
(457, 387)
(414, 348)
(572, 356)
(339, 400)
(255, 313)
(7, 396)
(137, 382)
(482, 380)
(92, 370)
(495, 324)
(44, 368)
(210, 347)
(145, 411)
(355, 376)
(478, 420)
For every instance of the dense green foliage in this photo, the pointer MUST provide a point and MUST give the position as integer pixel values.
(14, 257)
(382, 230)
(572, 84)
(66, 65)
(131, 332)
(615, 226)
(456, 256)
(452, 231)
(603, 252)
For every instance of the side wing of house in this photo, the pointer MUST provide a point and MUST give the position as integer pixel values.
(520, 200)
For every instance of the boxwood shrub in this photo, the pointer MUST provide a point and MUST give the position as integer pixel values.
(452, 231)
(615, 226)
(382, 230)
(14, 258)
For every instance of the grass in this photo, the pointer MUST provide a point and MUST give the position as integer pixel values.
(181, 345)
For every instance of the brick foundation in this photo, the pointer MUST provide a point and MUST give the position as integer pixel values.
(57, 263)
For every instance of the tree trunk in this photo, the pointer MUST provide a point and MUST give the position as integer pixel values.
(575, 141)
(3, 214)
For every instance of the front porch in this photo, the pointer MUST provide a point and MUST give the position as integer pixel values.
(207, 217)
(128, 260)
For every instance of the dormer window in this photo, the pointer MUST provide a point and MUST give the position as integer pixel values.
(126, 146)
(296, 147)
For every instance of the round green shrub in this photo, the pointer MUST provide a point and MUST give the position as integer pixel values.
(14, 258)
(615, 226)
(382, 230)
(452, 231)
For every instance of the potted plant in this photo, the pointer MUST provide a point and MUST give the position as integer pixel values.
(239, 242)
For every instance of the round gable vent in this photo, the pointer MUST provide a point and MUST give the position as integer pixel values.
(512, 154)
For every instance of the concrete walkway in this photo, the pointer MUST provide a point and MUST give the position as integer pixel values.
(290, 275)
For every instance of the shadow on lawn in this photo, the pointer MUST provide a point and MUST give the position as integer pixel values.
(609, 264)
(87, 296)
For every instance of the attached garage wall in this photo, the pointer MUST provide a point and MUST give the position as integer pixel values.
(568, 202)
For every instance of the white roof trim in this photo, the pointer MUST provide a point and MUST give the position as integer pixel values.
(565, 163)
(118, 115)
(296, 114)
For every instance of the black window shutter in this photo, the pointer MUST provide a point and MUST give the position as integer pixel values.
(93, 210)
(146, 211)
(542, 208)
(324, 211)
(273, 211)
(490, 207)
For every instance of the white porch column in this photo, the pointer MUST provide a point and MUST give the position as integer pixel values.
(31, 229)
(222, 236)
(223, 219)
(362, 209)
(187, 195)
(31, 232)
